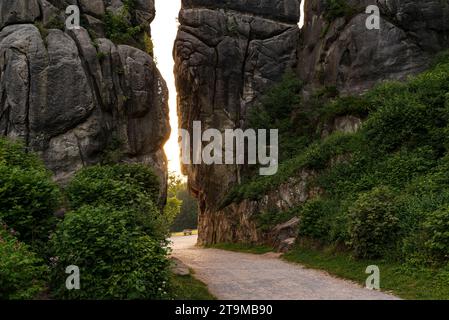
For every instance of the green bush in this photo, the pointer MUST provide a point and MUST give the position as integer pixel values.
(118, 27)
(134, 188)
(89, 185)
(315, 220)
(279, 102)
(22, 273)
(28, 197)
(436, 228)
(394, 125)
(14, 154)
(373, 223)
(117, 260)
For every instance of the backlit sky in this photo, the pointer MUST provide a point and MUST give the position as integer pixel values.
(164, 29)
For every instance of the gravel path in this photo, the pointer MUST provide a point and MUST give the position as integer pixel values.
(242, 276)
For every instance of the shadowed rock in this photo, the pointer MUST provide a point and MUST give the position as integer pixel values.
(227, 54)
(76, 100)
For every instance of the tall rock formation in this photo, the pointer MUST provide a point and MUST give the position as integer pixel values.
(76, 97)
(229, 52)
(337, 49)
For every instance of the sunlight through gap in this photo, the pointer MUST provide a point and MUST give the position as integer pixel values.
(164, 29)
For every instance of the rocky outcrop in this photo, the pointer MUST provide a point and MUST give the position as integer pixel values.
(239, 222)
(339, 50)
(75, 99)
(227, 54)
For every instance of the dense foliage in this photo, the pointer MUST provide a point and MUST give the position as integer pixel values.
(117, 260)
(373, 223)
(132, 188)
(122, 27)
(22, 272)
(383, 190)
(28, 197)
(188, 214)
(181, 206)
(114, 230)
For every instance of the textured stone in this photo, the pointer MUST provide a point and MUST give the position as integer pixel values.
(237, 222)
(283, 236)
(93, 7)
(18, 11)
(179, 268)
(78, 103)
(227, 53)
(345, 54)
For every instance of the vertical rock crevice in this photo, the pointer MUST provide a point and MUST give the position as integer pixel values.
(228, 53)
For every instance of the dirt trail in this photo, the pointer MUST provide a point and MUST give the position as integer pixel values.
(241, 276)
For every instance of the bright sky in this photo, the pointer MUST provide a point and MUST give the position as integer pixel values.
(164, 29)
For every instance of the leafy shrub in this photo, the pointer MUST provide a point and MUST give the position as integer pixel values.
(278, 103)
(97, 184)
(14, 154)
(373, 223)
(134, 188)
(119, 28)
(28, 197)
(436, 227)
(394, 125)
(117, 260)
(22, 273)
(315, 220)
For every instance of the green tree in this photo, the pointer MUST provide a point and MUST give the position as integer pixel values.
(188, 215)
(173, 206)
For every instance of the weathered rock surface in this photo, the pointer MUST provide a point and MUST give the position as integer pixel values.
(283, 236)
(227, 53)
(342, 52)
(79, 101)
(178, 267)
(238, 222)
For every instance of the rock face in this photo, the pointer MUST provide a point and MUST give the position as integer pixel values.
(340, 50)
(229, 52)
(76, 100)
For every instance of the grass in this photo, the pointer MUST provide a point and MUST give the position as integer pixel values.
(399, 279)
(240, 247)
(190, 288)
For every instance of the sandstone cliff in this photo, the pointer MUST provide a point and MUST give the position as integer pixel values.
(338, 50)
(228, 52)
(76, 97)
